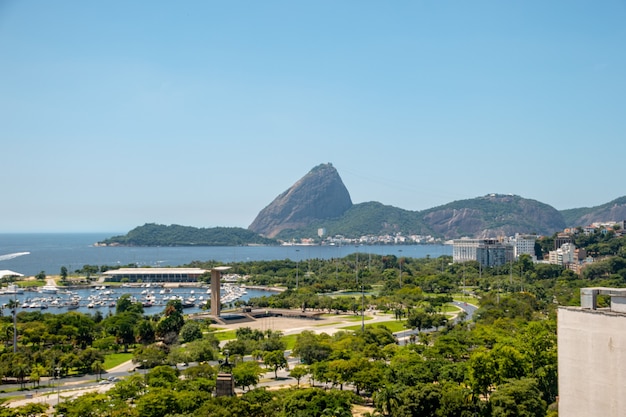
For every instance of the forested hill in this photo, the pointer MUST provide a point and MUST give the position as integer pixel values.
(614, 210)
(152, 234)
(488, 216)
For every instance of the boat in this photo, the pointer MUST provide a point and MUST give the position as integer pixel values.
(13, 289)
(188, 303)
(49, 289)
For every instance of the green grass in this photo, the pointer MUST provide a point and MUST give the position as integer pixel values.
(30, 284)
(226, 335)
(393, 326)
(114, 359)
(356, 318)
(290, 341)
(449, 308)
(326, 324)
(464, 298)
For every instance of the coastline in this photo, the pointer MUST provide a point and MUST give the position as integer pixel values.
(264, 288)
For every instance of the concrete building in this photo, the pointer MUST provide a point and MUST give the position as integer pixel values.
(464, 250)
(524, 245)
(561, 239)
(154, 274)
(592, 355)
(488, 252)
(565, 255)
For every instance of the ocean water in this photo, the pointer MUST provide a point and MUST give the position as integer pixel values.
(49, 252)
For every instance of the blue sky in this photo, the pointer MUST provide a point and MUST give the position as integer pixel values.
(114, 114)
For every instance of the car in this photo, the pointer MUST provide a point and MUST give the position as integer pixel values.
(104, 382)
(113, 379)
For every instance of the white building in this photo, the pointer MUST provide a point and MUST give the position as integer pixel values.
(524, 244)
(592, 356)
(564, 255)
(464, 250)
(488, 252)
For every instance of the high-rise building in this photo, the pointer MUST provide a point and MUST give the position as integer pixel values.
(524, 244)
(488, 252)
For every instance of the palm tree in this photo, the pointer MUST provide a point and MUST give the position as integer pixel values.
(21, 369)
(13, 305)
(386, 399)
(97, 368)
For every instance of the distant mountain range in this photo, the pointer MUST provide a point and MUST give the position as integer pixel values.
(321, 200)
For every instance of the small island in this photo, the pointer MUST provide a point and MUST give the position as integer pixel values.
(151, 234)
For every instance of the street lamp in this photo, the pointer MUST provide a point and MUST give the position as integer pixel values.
(57, 374)
(356, 268)
(400, 262)
(297, 266)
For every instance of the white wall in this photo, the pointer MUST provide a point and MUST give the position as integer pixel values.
(592, 363)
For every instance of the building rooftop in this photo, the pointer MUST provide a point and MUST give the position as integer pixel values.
(154, 271)
(589, 297)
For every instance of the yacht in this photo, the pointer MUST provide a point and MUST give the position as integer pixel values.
(49, 289)
(13, 289)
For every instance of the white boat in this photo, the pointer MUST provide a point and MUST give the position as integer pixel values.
(13, 289)
(49, 289)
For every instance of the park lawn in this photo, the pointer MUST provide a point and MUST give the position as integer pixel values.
(356, 318)
(326, 324)
(393, 326)
(464, 298)
(290, 341)
(30, 283)
(450, 308)
(225, 335)
(114, 359)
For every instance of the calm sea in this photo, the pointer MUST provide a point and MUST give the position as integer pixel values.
(50, 252)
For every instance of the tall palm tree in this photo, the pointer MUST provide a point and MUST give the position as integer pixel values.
(97, 368)
(13, 305)
(386, 399)
(21, 369)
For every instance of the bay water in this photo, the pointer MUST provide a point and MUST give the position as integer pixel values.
(31, 253)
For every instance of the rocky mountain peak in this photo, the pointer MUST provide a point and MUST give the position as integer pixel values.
(319, 195)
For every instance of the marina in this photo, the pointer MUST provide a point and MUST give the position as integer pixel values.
(103, 298)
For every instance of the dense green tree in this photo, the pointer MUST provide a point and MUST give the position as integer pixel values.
(518, 398)
(95, 405)
(298, 372)
(246, 374)
(422, 400)
(190, 331)
(158, 402)
(63, 273)
(311, 348)
(172, 321)
(314, 402)
(275, 360)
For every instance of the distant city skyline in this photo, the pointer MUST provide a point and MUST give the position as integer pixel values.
(116, 114)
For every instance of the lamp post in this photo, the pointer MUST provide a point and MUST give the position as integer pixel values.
(400, 262)
(356, 268)
(57, 374)
(297, 267)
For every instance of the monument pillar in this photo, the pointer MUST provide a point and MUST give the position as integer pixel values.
(216, 275)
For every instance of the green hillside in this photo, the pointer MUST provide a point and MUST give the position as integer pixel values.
(151, 234)
(371, 218)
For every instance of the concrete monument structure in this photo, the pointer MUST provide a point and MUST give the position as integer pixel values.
(216, 275)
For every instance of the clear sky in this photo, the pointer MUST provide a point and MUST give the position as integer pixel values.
(118, 113)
